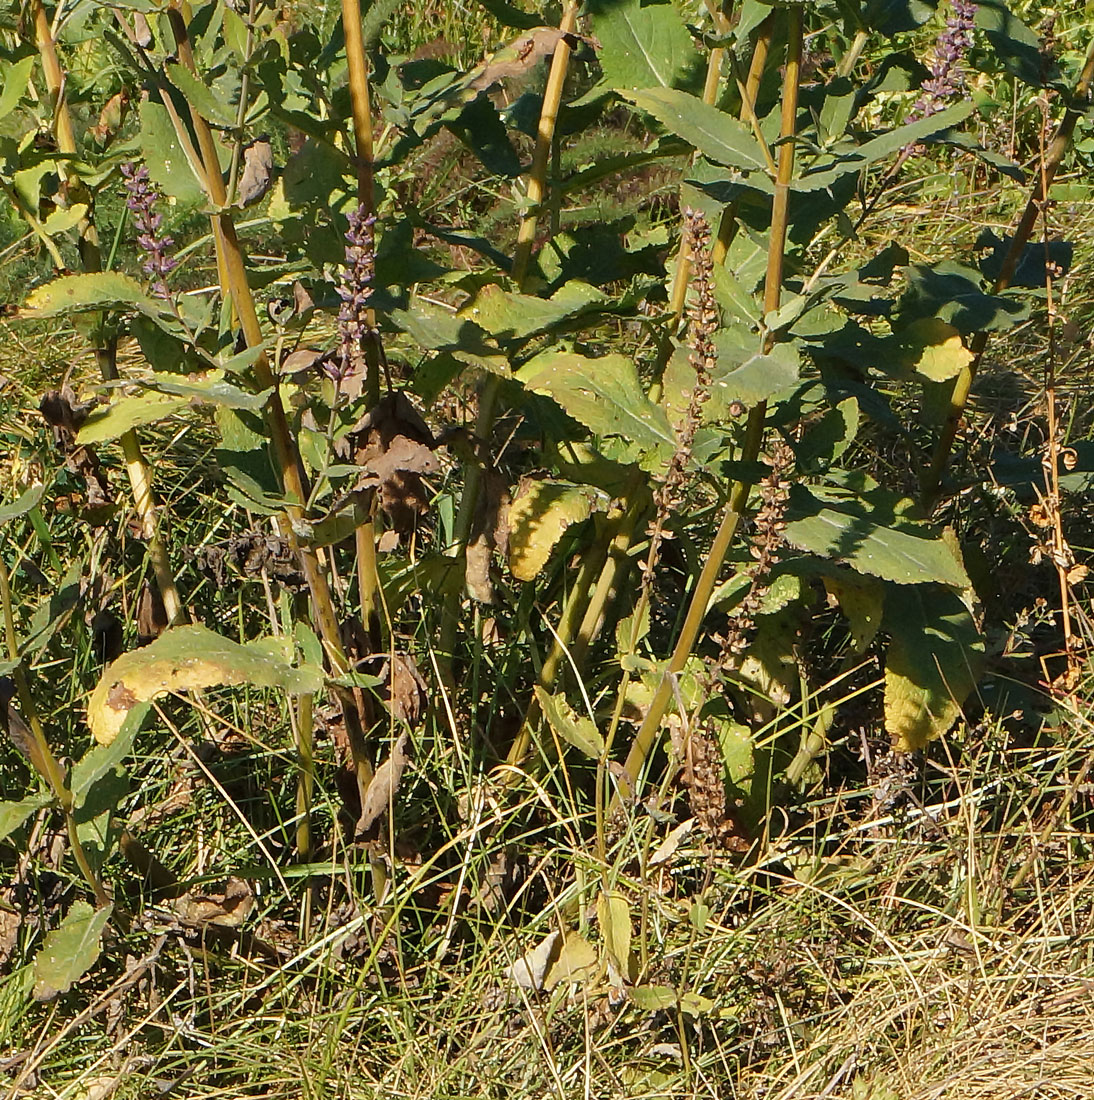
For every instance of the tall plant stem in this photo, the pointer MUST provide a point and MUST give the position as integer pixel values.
(232, 263)
(137, 469)
(749, 90)
(720, 15)
(37, 749)
(1053, 157)
(522, 255)
(545, 133)
(360, 101)
(738, 497)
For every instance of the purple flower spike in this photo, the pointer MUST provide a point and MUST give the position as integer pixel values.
(142, 197)
(355, 290)
(946, 77)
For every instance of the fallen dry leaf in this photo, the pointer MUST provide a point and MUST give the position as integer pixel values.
(384, 785)
(227, 907)
(523, 54)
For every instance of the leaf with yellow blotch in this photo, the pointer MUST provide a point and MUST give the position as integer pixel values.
(932, 664)
(861, 599)
(932, 348)
(187, 657)
(538, 518)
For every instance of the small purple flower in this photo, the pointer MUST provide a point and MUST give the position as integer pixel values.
(355, 290)
(142, 197)
(946, 77)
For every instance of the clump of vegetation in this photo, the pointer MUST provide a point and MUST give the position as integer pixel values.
(557, 573)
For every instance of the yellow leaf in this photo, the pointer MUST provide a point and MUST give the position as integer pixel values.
(932, 348)
(860, 599)
(537, 520)
(614, 916)
(576, 962)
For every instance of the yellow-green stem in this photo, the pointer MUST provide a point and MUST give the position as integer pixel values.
(959, 397)
(42, 758)
(140, 477)
(236, 288)
(545, 132)
(738, 498)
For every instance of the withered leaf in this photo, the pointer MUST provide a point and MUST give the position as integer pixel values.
(521, 55)
(227, 907)
(257, 175)
(384, 785)
(111, 117)
(151, 615)
(403, 688)
(64, 413)
(395, 449)
(489, 533)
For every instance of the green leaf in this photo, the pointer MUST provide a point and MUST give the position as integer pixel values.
(573, 728)
(825, 173)
(718, 136)
(538, 518)
(1015, 45)
(861, 600)
(186, 657)
(81, 293)
(933, 662)
(167, 164)
(201, 97)
(211, 388)
(100, 759)
(28, 500)
(644, 44)
(953, 293)
(933, 349)
(13, 814)
(843, 531)
(826, 439)
(441, 330)
(64, 218)
(659, 998)
(69, 951)
(16, 79)
(508, 316)
(603, 394)
(125, 412)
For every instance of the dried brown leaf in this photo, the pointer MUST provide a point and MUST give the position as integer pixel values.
(151, 615)
(227, 907)
(523, 54)
(384, 785)
(257, 173)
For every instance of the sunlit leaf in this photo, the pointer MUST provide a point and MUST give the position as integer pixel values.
(573, 728)
(932, 664)
(603, 394)
(69, 951)
(933, 349)
(128, 411)
(186, 657)
(537, 520)
(644, 43)
(717, 135)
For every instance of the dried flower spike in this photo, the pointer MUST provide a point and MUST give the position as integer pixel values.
(355, 290)
(155, 244)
